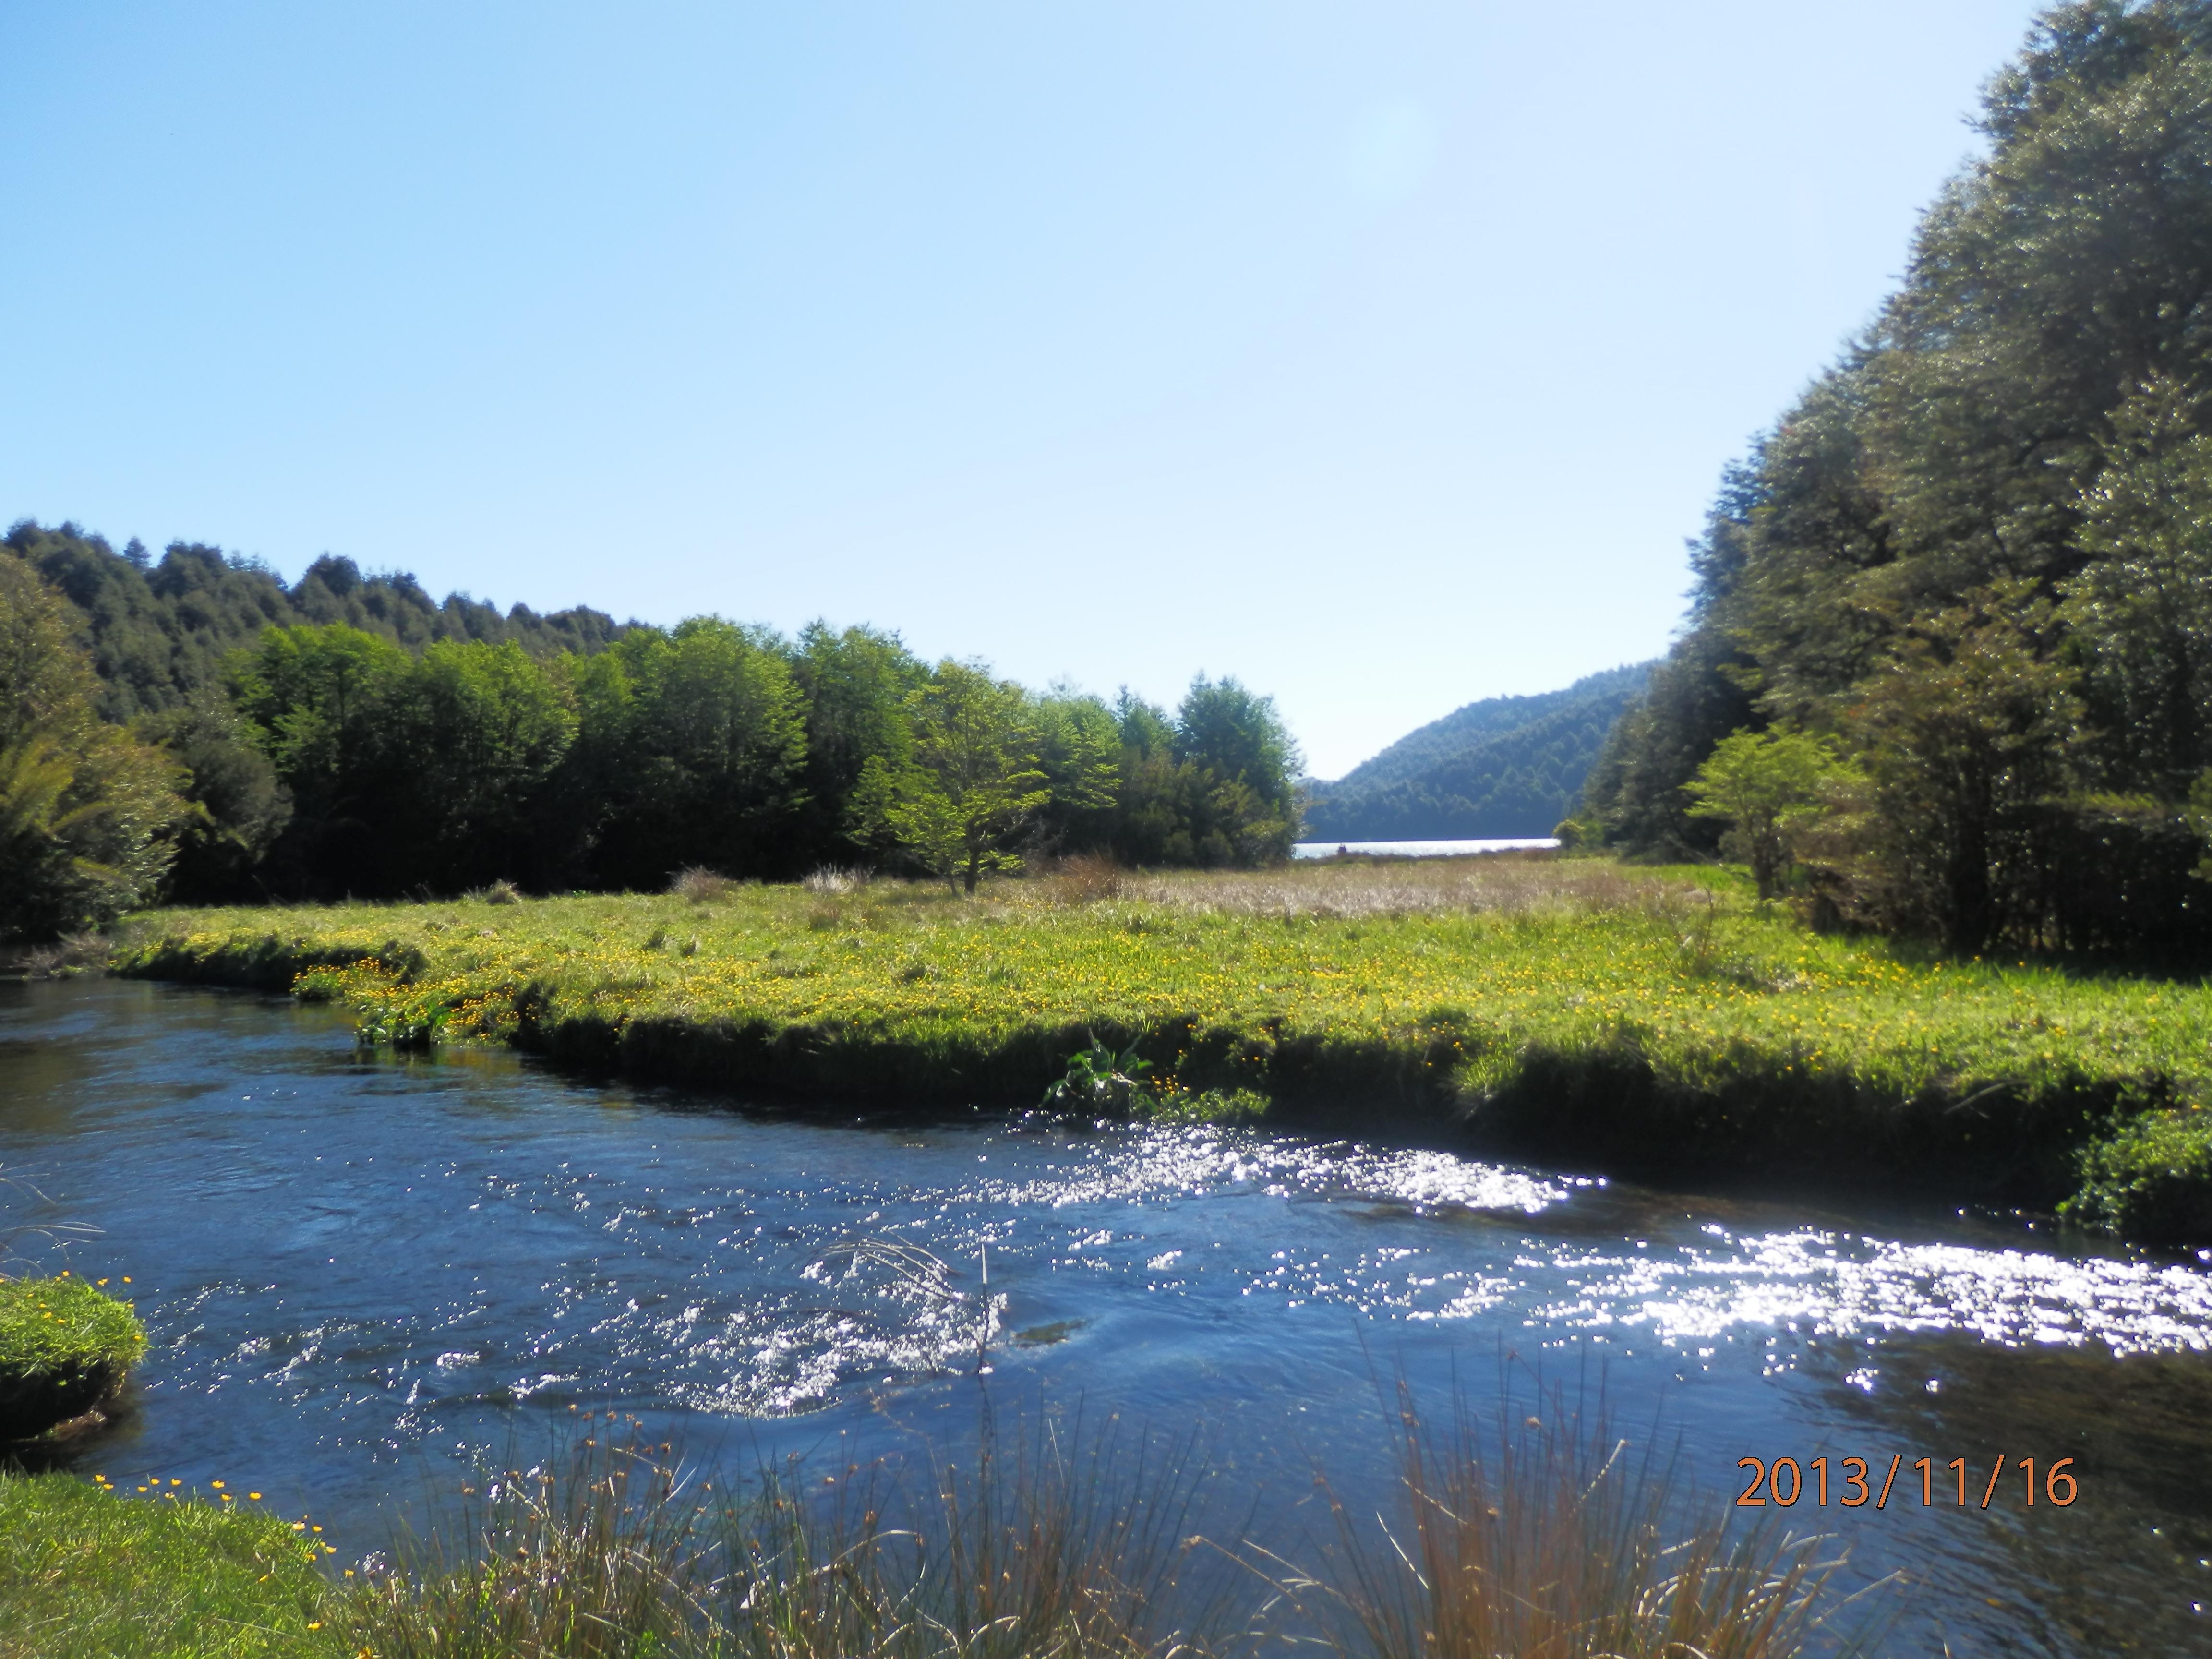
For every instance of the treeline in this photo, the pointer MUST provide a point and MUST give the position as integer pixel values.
(159, 630)
(1959, 600)
(186, 734)
(1502, 767)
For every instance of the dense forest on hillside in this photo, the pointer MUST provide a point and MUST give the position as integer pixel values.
(159, 630)
(1959, 596)
(1502, 767)
(195, 728)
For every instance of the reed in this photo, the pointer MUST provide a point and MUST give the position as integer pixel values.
(614, 1551)
(1554, 1539)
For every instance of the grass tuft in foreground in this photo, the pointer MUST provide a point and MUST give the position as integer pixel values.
(65, 1347)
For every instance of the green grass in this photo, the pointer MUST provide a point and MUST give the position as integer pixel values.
(1656, 1022)
(64, 1347)
(88, 1575)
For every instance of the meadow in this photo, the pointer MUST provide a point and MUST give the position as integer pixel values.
(1656, 1022)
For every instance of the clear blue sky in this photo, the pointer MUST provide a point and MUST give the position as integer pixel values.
(1381, 355)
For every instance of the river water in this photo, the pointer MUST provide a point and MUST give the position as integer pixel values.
(358, 1266)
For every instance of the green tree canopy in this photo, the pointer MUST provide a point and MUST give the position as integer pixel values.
(88, 816)
(959, 808)
(2023, 426)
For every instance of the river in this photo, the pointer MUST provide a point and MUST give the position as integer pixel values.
(358, 1266)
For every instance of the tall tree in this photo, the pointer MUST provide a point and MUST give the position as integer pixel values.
(473, 738)
(2019, 426)
(855, 683)
(1249, 765)
(717, 742)
(959, 809)
(2140, 610)
(315, 700)
(88, 816)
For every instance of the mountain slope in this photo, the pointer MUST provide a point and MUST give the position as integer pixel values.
(1504, 766)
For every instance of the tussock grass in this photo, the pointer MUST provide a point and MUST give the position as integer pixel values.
(1656, 1022)
(614, 1550)
(1556, 1540)
(700, 885)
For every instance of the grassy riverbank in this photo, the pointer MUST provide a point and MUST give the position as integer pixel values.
(1650, 1021)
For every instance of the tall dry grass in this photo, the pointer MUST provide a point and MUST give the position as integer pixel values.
(1062, 1548)
(1496, 882)
(1554, 1539)
(700, 885)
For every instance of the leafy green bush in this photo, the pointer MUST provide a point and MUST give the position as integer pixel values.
(65, 1345)
(2151, 1181)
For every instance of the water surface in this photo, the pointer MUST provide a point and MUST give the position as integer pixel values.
(356, 1266)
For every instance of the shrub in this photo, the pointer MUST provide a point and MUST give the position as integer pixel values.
(497, 892)
(65, 1346)
(2152, 1181)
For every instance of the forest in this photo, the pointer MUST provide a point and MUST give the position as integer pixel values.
(1948, 668)
(1502, 767)
(192, 729)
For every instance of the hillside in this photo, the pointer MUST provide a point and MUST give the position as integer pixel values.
(158, 630)
(1504, 766)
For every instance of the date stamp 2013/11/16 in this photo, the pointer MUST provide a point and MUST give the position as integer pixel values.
(1785, 1480)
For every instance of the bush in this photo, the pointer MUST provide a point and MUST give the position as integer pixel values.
(65, 1346)
(2152, 1181)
